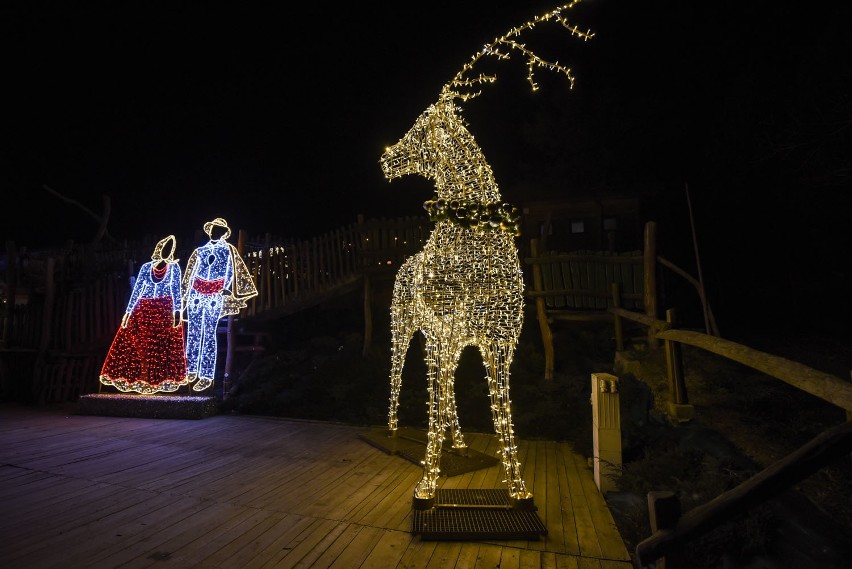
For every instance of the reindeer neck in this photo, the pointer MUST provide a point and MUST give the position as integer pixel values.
(472, 193)
(469, 181)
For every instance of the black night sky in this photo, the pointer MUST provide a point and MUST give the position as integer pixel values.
(275, 120)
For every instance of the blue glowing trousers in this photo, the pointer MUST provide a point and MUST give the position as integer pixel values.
(202, 315)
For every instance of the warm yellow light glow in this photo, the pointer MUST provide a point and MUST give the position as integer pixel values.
(465, 287)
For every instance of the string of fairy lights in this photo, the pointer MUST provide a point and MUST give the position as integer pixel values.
(465, 287)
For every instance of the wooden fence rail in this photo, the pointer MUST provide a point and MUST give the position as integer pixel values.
(672, 532)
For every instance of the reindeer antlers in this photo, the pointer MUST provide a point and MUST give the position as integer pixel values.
(454, 89)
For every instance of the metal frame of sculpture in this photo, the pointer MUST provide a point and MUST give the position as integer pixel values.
(465, 287)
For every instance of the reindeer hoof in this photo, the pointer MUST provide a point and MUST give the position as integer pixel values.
(525, 503)
(423, 503)
(460, 451)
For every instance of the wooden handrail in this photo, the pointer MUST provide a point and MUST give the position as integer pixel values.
(640, 318)
(709, 319)
(823, 449)
(832, 444)
(820, 384)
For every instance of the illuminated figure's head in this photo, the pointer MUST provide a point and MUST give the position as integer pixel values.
(165, 244)
(222, 233)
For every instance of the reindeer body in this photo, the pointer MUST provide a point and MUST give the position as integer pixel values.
(465, 287)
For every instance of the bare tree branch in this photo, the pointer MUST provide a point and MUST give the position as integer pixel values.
(102, 220)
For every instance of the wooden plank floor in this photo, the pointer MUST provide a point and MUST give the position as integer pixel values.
(259, 492)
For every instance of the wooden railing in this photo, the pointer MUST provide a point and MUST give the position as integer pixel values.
(671, 532)
(291, 275)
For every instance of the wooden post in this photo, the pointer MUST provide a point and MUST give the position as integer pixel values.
(679, 408)
(616, 319)
(650, 277)
(368, 314)
(11, 291)
(664, 513)
(849, 411)
(229, 352)
(606, 431)
(46, 330)
(701, 292)
(544, 326)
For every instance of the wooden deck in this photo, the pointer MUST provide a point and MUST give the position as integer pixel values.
(245, 492)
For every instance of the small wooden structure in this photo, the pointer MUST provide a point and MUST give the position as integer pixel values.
(578, 286)
(606, 431)
(610, 223)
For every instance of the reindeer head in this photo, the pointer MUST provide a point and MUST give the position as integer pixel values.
(439, 147)
(418, 150)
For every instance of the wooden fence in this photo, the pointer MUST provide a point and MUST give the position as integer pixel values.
(291, 275)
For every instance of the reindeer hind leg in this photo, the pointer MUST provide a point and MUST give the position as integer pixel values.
(451, 418)
(439, 374)
(498, 359)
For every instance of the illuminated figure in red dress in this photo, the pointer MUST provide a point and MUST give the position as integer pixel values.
(216, 283)
(147, 354)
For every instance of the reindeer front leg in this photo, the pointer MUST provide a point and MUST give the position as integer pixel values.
(402, 328)
(437, 376)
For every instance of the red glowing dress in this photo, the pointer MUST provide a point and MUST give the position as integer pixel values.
(147, 353)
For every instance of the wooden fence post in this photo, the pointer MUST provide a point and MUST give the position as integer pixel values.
(46, 332)
(229, 351)
(650, 278)
(679, 408)
(11, 292)
(664, 513)
(368, 314)
(616, 319)
(544, 326)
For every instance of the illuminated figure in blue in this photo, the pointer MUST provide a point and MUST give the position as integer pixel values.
(216, 283)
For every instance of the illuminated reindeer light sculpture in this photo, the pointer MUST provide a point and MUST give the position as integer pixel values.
(465, 287)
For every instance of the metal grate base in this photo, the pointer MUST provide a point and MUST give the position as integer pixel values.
(475, 515)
